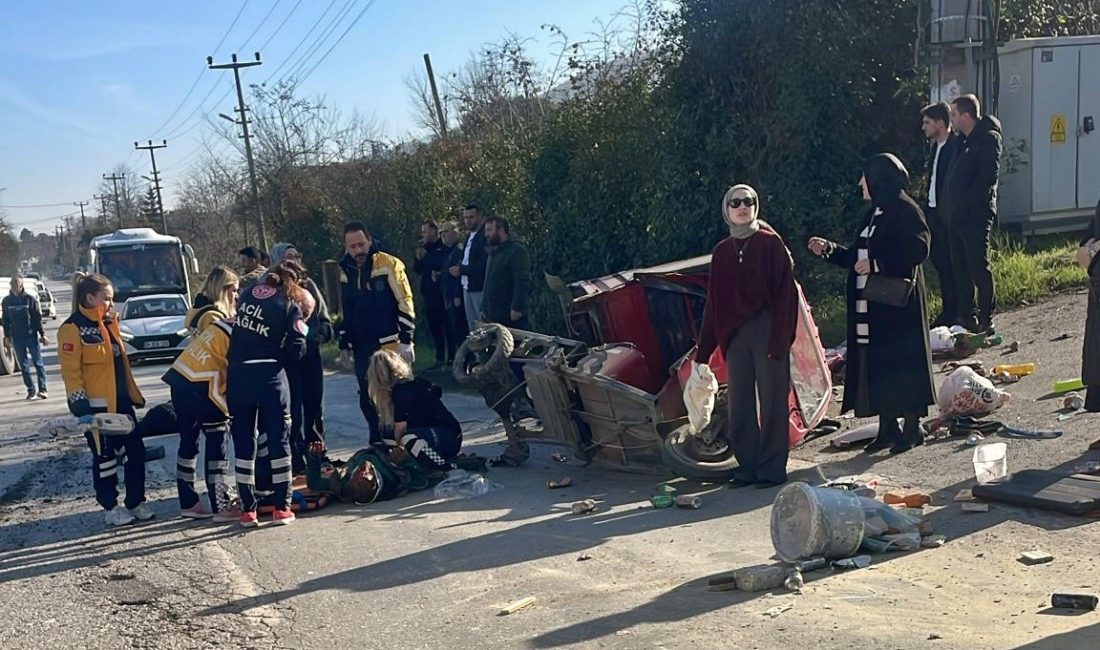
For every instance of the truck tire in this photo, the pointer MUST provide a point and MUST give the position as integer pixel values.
(685, 455)
(483, 357)
(8, 364)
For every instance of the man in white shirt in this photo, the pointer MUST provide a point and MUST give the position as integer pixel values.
(472, 269)
(936, 124)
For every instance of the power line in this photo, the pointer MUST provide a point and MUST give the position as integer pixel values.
(41, 205)
(320, 41)
(301, 42)
(263, 21)
(198, 78)
(324, 56)
(280, 27)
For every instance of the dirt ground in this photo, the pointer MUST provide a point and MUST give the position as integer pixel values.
(424, 573)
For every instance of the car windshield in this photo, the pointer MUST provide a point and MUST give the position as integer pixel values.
(154, 308)
(143, 269)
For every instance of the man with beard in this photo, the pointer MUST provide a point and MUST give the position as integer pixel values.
(377, 309)
(507, 277)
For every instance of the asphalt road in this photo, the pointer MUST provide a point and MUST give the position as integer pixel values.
(422, 573)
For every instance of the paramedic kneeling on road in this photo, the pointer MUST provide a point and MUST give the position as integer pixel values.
(412, 415)
(269, 330)
(98, 380)
(751, 314)
(197, 381)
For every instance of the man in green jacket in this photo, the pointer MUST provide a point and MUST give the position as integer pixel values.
(507, 277)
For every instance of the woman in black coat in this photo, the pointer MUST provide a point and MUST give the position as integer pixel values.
(889, 369)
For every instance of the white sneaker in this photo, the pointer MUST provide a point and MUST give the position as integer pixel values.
(119, 516)
(142, 513)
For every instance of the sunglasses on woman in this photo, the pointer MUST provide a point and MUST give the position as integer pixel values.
(737, 202)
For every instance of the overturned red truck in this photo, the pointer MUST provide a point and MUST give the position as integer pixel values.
(614, 391)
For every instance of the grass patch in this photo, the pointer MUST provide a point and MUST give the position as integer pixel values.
(1024, 274)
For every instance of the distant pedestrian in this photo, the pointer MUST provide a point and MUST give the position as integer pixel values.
(970, 201)
(751, 314)
(98, 379)
(507, 277)
(455, 319)
(889, 367)
(378, 311)
(936, 125)
(252, 266)
(472, 269)
(430, 255)
(306, 376)
(23, 332)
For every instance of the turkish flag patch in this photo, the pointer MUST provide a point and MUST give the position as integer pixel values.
(67, 347)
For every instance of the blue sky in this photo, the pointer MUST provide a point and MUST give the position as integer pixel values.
(82, 80)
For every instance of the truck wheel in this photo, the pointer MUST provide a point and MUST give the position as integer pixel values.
(483, 356)
(689, 456)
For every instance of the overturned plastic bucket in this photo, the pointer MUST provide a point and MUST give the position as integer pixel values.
(812, 522)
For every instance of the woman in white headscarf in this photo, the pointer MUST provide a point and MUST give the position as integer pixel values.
(751, 315)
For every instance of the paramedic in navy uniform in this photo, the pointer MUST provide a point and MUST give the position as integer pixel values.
(269, 331)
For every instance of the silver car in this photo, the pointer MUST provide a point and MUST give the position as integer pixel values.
(153, 326)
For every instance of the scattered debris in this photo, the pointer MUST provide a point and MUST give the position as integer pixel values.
(794, 581)
(662, 501)
(1087, 602)
(909, 498)
(512, 608)
(1066, 385)
(975, 507)
(933, 541)
(665, 488)
(774, 612)
(857, 562)
(965, 495)
(1032, 558)
(974, 439)
(1073, 401)
(1061, 337)
(1014, 346)
(813, 564)
(760, 577)
(563, 482)
(582, 507)
(559, 457)
(1017, 370)
(114, 577)
(934, 636)
(722, 583)
(1087, 467)
(584, 557)
(688, 501)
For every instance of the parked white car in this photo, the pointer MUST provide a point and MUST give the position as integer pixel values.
(153, 326)
(46, 302)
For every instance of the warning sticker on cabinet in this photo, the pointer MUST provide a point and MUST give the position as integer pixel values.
(1058, 129)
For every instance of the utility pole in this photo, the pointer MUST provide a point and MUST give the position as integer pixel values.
(242, 110)
(70, 256)
(156, 178)
(435, 96)
(102, 198)
(83, 223)
(118, 206)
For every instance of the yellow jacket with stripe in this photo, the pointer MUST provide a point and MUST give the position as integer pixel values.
(377, 303)
(199, 318)
(86, 349)
(205, 359)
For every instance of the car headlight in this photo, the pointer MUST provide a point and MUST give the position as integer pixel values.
(183, 333)
(126, 336)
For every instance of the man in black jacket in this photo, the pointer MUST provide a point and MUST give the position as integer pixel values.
(22, 323)
(472, 269)
(457, 327)
(507, 277)
(936, 125)
(970, 203)
(430, 255)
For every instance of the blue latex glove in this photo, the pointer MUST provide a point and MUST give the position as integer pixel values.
(86, 420)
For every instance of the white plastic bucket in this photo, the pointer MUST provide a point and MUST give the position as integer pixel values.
(991, 462)
(814, 522)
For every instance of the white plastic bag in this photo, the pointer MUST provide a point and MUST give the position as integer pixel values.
(699, 394)
(941, 339)
(964, 392)
(460, 484)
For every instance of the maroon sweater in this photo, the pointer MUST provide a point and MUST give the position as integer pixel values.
(738, 291)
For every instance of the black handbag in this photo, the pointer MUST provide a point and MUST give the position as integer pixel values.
(888, 290)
